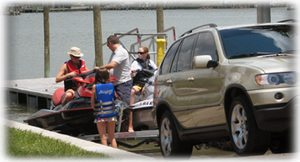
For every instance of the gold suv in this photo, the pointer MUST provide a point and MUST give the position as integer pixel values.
(235, 83)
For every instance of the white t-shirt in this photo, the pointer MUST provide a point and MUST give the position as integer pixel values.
(122, 71)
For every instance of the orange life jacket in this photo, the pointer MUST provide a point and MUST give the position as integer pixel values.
(70, 68)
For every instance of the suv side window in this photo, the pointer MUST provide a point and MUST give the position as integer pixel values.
(184, 57)
(206, 46)
(167, 62)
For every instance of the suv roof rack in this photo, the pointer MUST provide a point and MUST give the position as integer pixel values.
(288, 20)
(201, 26)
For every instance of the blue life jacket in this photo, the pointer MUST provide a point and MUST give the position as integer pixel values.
(105, 106)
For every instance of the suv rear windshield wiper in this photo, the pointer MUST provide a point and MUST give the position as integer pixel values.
(251, 54)
(288, 51)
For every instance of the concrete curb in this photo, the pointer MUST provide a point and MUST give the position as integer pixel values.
(83, 144)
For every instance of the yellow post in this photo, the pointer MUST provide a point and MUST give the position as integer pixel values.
(160, 50)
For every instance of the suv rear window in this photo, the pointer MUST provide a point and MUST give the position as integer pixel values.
(241, 42)
(184, 61)
(167, 62)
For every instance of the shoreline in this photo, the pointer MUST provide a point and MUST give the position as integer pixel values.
(39, 9)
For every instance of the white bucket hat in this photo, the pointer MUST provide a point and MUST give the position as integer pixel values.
(75, 51)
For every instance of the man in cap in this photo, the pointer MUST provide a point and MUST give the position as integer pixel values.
(70, 69)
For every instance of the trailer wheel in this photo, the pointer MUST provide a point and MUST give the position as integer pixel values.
(170, 144)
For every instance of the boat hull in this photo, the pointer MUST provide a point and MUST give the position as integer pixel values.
(74, 118)
(73, 122)
(77, 118)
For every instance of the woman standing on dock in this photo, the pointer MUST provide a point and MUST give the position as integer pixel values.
(102, 99)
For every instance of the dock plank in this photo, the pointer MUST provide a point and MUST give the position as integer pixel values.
(42, 87)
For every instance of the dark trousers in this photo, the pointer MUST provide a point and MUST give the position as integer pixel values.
(123, 90)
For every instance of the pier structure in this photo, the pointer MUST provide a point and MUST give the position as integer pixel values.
(35, 93)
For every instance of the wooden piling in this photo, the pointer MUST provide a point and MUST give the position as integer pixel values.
(263, 13)
(160, 20)
(46, 43)
(98, 36)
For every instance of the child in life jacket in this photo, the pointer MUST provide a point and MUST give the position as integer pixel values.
(102, 101)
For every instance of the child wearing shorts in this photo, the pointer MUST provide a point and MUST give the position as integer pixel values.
(102, 101)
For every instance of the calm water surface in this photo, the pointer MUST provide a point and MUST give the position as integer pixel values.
(25, 42)
(25, 47)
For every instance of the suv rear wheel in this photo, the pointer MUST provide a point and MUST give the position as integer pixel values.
(170, 144)
(245, 136)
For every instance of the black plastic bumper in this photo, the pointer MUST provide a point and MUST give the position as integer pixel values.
(275, 118)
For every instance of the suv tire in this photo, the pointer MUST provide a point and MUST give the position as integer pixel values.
(245, 136)
(170, 144)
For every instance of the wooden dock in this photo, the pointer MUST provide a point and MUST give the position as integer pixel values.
(35, 93)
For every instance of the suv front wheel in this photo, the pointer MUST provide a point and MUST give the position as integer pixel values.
(245, 136)
(170, 144)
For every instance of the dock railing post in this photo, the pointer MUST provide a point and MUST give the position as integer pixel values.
(160, 50)
(98, 35)
(46, 43)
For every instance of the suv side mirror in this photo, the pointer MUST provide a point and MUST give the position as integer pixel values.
(204, 61)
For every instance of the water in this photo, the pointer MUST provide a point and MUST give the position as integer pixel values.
(25, 46)
(25, 42)
(19, 112)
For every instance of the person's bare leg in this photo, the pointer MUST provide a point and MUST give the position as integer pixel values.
(101, 126)
(130, 125)
(130, 117)
(68, 97)
(111, 125)
(132, 93)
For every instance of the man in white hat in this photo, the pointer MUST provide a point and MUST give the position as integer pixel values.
(69, 69)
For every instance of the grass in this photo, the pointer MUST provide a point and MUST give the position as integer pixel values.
(27, 144)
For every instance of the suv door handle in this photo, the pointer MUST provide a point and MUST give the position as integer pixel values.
(191, 78)
(169, 81)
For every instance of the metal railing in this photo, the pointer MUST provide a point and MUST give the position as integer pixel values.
(147, 40)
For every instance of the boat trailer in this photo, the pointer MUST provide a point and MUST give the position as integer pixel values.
(146, 136)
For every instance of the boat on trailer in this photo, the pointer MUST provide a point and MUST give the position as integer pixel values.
(76, 117)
